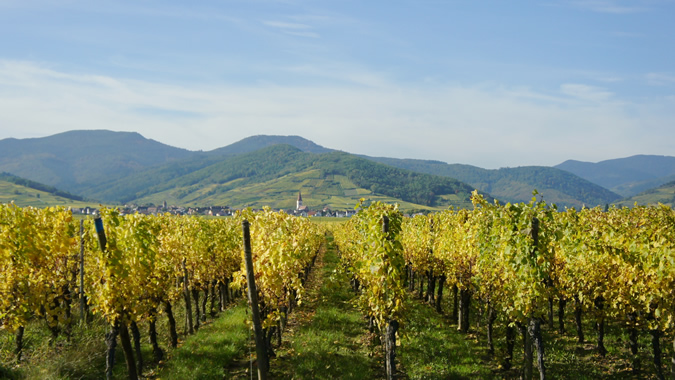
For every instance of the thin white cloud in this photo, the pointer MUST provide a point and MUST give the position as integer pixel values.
(660, 79)
(304, 34)
(293, 29)
(287, 25)
(627, 34)
(610, 6)
(585, 92)
(484, 125)
(608, 79)
(341, 73)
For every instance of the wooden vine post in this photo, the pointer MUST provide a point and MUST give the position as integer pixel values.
(188, 302)
(118, 328)
(391, 328)
(533, 333)
(110, 336)
(83, 301)
(260, 346)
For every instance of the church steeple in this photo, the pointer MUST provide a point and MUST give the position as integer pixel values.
(299, 205)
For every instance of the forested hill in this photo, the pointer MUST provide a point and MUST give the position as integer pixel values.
(253, 143)
(23, 192)
(626, 176)
(124, 166)
(75, 160)
(7, 177)
(664, 194)
(288, 169)
(516, 184)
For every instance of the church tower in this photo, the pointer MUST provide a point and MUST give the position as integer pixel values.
(299, 204)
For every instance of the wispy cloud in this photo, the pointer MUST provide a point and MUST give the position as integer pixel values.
(341, 73)
(610, 6)
(585, 92)
(608, 79)
(293, 29)
(287, 25)
(621, 34)
(660, 79)
(486, 125)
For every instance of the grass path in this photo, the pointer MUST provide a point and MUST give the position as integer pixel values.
(214, 351)
(432, 348)
(327, 337)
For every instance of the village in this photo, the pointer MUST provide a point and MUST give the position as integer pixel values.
(216, 211)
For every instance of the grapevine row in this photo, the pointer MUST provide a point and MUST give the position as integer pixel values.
(519, 260)
(371, 249)
(138, 266)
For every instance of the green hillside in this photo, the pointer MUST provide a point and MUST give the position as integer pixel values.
(90, 163)
(123, 167)
(664, 194)
(318, 191)
(273, 176)
(133, 186)
(253, 143)
(75, 160)
(28, 193)
(516, 184)
(626, 176)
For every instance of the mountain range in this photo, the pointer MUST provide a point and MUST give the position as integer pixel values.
(625, 176)
(125, 167)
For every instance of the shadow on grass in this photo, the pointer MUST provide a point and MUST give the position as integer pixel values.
(8, 373)
(211, 352)
(431, 348)
(565, 358)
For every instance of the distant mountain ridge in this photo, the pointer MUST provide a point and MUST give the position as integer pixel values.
(516, 184)
(125, 166)
(333, 177)
(626, 176)
(7, 177)
(253, 143)
(73, 160)
(23, 192)
(664, 194)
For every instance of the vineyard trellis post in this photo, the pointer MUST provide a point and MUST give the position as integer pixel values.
(110, 336)
(534, 326)
(83, 315)
(392, 326)
(260, 345)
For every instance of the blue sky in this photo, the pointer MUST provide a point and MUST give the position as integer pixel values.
(486, 83)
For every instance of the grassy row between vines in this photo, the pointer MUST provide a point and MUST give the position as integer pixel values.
(83, 355)
(565, 358)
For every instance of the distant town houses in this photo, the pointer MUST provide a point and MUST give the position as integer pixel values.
(84, 210)
(216, 211)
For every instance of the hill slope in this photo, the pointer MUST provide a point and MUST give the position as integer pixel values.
(626, 176)
(280, 171)
(74, 160)
(122, 166)
(253, 143)
(516, 184)
(88, 162)
(664, 194)
(24, 193)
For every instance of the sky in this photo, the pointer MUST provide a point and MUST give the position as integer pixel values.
(490, 83)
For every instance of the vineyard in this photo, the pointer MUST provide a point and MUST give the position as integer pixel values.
(521, 280)
(137, 267)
